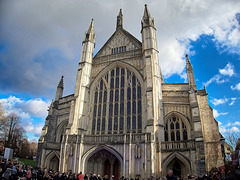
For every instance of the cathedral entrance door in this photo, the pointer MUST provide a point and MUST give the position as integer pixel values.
(54, 163)
(107, 168)
(177, 169)
(115, 169)
(103, 163)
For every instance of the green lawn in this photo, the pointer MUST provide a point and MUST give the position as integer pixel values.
(28, 162)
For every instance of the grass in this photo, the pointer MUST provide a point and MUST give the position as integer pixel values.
(28, 162)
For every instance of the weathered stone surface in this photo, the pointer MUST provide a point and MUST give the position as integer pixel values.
(164, 126)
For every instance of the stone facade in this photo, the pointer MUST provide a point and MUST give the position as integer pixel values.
(123, 120)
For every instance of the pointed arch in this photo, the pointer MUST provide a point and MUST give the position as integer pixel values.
(96, 149)
(59, 129)
(176, 130)
(176, 113)
(49, 157)
(124, 88)
(181, 158)
(111, 66)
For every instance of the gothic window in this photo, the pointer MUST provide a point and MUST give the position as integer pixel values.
(117, 102)
(175, 130)
(118, 49)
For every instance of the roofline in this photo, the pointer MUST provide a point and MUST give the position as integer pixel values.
(126, 33)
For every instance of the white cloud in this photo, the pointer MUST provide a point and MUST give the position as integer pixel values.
(35, 107)
(234, 129)
(233, 101)
(57, 36)
(217, 114)
(237, 87)
(25, 109)
(230, 127)
(220, 78)
(36, 129)
(219, 101)
(237, 123)
(216, 78)
(228, 70)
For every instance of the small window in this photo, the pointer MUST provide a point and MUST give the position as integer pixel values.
(134, 122)
(122, 95)
(110, 124)
(128, 123)
(110, 109)
(115, 123)
(139, 122)
(103, 124)
(185, 135)
(112, 83)
(178, 136)
(177, 125)
(172, 136)
(121, 122)
(98, 124)
(166, 136)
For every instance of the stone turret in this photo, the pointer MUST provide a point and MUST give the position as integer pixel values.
(77, 121)
(120, 20)
(191, 79)
(147, 20)
(153, 86)
(59, 91)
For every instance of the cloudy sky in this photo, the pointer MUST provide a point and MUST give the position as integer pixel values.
(41, 40)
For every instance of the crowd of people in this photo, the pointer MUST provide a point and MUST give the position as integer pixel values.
(13, 170)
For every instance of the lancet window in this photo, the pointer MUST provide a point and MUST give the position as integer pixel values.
(117, 103)
(175, 130)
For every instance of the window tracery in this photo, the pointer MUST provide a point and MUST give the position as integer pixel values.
(175, 130)
(117, 103)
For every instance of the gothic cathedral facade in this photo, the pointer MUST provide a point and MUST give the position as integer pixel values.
(123, 120)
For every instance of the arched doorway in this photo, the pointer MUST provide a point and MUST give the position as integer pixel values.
(178, 163)
(103, 163)
(178, 167)
(54, 163)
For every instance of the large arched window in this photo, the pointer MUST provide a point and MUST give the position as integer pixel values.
(175, 129)
(117, 103)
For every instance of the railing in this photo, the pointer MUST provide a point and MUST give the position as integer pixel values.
(103, 138)
(117, 138)
(117, 56)
(176, 145)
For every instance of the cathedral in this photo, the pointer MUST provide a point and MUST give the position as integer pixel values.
(123, 120)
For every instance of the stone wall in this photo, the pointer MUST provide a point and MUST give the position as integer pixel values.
(211, 135)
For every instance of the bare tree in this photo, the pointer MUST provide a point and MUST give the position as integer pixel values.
(2, 112)
(13, 133)
(232, 137)
(13, 125)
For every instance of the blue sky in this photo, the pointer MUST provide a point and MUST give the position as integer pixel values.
(41, 40)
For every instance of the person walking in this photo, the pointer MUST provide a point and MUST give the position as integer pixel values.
(29, 174)
(81, 176)
(170, 175)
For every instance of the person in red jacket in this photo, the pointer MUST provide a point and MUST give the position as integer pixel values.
(81, 176)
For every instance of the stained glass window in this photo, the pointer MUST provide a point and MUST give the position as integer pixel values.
(175, 130)
(117, 102)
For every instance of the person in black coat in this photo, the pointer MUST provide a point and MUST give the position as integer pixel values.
(170, 175)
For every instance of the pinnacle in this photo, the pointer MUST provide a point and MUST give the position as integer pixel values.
(147, 20)
(90, 35)
(189, 65)
(60, 84)
(120, 20)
